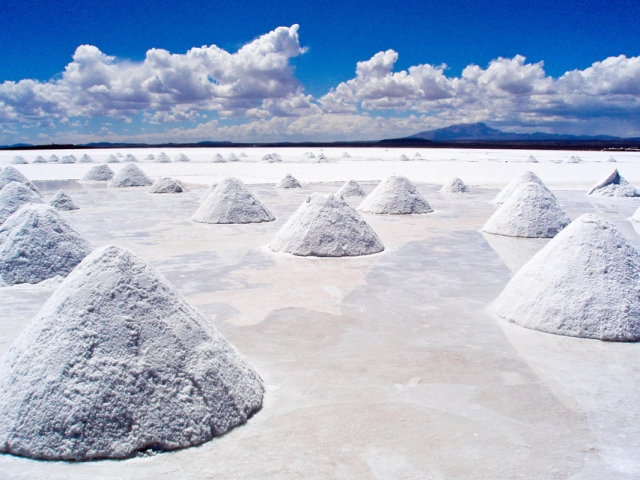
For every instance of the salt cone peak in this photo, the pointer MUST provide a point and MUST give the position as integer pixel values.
(208, 192)
(531, 211)
(163, 158)
(68, 159)
(117, 362)
(130, 159)
(243, 154)
(217, 158)
(351, 189)
(130, 176)
(346, 155)
(37, 243)
(232, 157)
(62, 201)
(403, 158)
(150, 158)
(311, 155)
(525, 177)
(181, 157)
(613, 185)
(19, 160)
(573, 159)
(417, 154)
(112, 159)
(289, 181)
(395, 195)
(231, 202)
(326, 226)
(13, 196)
(99, 173)
(10, 174)
(271, 158)
(168, 185)
(611, 159)
(85, 159)
(531, 159)
(39, 159)
(53, 158)
(583, 283)
(455, 185)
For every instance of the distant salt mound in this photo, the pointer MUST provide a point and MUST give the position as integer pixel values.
(346, 155)
(112, 159)
(208, 192)
(231, 202)
(117, 362)
(395, 195)
(583, 283)
(163, 158)
(85, 159)
(119, 155)
(351, 189)
(321, 158)
(417, 154)
(39, 159)
(271, 158)
(10, 174)
(531, 211)
(168, 185)
(68, 159)
(526, 177)
(403, 158)
(243, 154)
(611, 159)
(149, 158)
(99, 173)
(311, 155)
(289, 181)
(573, 159)
(326, 226)
(54, 159)
(181, 158)
(218, 159)
(130, 159)
(232, 158)
(455, 185)
(531, 159)
(18, 160)
(13, 196)
(63, 202)
(614, 185)
(130, 176)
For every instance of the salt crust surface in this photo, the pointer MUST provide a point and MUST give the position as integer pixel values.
(289, 181)
(116, 362)
(231, 202)
(13, 196)
(395, 195)
(531, 211)
(455, 185)
(614, 185)
(351, 189)
(326, 226)
(99, 173)
(583, 283)
(526, 177)
(168, 185)
(62, 201)
(636, 216)
(10, 174)
(130, 176)
(37, 243)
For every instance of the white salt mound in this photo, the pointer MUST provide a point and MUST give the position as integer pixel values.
(18, 160)
(130, 176)
(326, 226)
(119, 155)
(10, 174)
(455, 185)
(611, 159)
(112, 159)
(351, 189)
(163, 158)
(182, 158)
(218, 159)
(53, 158)
(99, 173)
(289, 181)
(149, 158)
(85, 159)
(322, 159)
(233, 158)
(231, 202)
(37, 243)
(68, 159)
(417, 154)
(168, 185)
(39, 159)
(614, 185)
(531, 211)
(395, 195)
(243, 154)
(13, 196)
(346, 155)
(271, 158)
(573, 159)
(311, 155)
(403, 158)
(583, 283)
(62, 201)
(526, 177)
(531, 159)
(117, 362)
(130, 158)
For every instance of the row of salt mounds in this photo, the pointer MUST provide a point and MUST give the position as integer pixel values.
(10, 174)
(85, 159)
(130, 159)
(130, 176)
(326, 226)
(181, 157)
(168, 185)
(37, 243)
(62, 201)
(163, 158)
(112, 159)
(614, 185)
(573, 159)
(395, 195)
(455, 185)
(39, 159)
(526, 177)
(271, 158)
(531, 211)
(18, 160)
(583, 283)
(351, 189)
(231, 202)
(68, 159)
(14, 196)
(289, 181)
(53, 158)
(99, 173)
(117, 362)
(531, 159)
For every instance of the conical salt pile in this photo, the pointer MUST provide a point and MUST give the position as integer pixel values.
(231, 202)
(531, 159)
(417, 154)
(62, 201)
(37, 243)
(526, 177)
(243, 154)
(18, 160)
(168, 185)
(395, 195)
(346, 155)
(149, 158)
(311, 155)
(271, 158)
(130, 176)
(182, 158)
(208, 192)
(351, 189)
(455, 185)
(39, 159)
(112, 159)
(611, 159)
(531, 211)
(217, 158)
(53, 158)
(403, 158)
(99, 173)
(85, 159)
(130, 159)
(13, 196)
(321, 159)
(573, 159)
(10, 174)
(68, 159)
(119, 155)
(614, 185)
(163, 158)
(233, 158)
(583, 283)
(326, 226)
(289, 181)
(117, 362)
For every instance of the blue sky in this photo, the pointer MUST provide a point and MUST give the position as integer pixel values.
(462, 62)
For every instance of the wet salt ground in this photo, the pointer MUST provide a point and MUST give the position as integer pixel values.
(387, 366)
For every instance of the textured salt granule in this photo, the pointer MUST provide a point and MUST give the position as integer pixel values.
(10, 174)
(455, 185)
(68, 159)
(395, 195)
(130, 159)
(19, 160)
(531, 159)
(531, 211)
(39, 159)
(117, 362)
(168, 185)
(326, 226)
(62, 201)
(289, 181)
(99, 173)
(614, 185)
(112, 159)
(181, 158)
(130, 176)
(13, 196)
(351, 189)
(85, 159)
(163, 158)
(526, 177)
(53, 158)
(231, 202)
(583, 283)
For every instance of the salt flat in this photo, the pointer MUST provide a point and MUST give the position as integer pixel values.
(382, 366)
